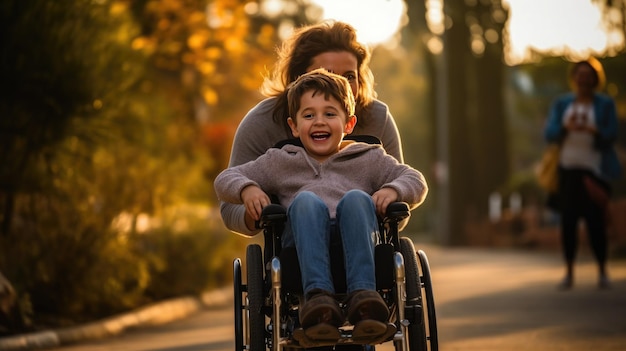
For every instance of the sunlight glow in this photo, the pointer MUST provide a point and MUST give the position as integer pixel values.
(376, 21)
(571, 28)
(435, 16)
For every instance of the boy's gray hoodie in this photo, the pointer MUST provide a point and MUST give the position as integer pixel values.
(287, 171)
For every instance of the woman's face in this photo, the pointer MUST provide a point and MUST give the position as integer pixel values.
(584, 78)
(342, 63)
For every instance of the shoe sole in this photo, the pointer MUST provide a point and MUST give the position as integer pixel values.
(303, 341)
(372, 332)
(359, 336)
(323, 331)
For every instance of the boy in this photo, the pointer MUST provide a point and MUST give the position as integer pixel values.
(327, 182)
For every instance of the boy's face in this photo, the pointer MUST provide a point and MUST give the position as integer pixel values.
(321, 124)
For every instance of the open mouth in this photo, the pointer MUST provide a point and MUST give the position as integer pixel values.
(320, 136)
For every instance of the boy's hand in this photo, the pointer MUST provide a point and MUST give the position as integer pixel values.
(254, 199)
(382, 198)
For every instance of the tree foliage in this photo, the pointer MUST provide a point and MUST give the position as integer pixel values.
(465, 108)
(114, 117)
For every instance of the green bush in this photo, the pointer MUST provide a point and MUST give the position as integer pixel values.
(78, 269)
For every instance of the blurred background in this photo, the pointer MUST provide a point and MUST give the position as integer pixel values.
(116, 115)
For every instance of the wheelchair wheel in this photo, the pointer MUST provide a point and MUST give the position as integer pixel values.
(430, 300)
(238, 305)
(256, 316)
(417, 329)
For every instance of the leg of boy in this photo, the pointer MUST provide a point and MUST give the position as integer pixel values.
(358, 225)
(310, 226)
(309, 222)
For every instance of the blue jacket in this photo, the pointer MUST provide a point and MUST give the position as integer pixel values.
(606, 122)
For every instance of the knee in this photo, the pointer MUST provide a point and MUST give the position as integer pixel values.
(356, 203)
(356, 196)
(305, 201)
(306, 197)
(357, 200)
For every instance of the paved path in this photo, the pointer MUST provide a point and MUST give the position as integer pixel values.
(507, 300)
(486, 300)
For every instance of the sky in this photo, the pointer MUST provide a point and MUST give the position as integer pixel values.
(376, 21)
(555, 25)
(544, 25)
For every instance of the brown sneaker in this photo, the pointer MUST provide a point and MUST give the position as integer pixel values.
(320, 307)
(366, 304)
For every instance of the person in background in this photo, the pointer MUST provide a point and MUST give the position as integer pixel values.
(331, 45)
(317, 185)
(584, 123)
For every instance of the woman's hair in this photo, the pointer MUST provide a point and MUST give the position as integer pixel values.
(595, 66)
(296, 53)
(320, 81)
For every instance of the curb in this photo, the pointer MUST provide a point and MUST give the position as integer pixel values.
(158, 313)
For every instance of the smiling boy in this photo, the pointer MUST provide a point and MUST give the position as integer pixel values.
(328, 184)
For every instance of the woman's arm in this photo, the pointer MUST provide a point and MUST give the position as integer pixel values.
(256, 133)
(237, 209)
(554, 131)
(606, 120)
(391, 139)
(380, 123)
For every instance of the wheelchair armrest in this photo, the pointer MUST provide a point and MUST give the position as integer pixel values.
(397, 211)
(271, 213)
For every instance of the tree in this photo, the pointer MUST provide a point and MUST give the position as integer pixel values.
(466, 80)
(68, 75)
(213, 54)
(115, 113)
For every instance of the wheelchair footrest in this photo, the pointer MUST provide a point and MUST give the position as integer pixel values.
(344, 335)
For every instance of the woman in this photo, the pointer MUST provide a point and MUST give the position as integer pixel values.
(330, 45)
(584, 124)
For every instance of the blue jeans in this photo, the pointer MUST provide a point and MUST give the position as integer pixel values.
(309, 230)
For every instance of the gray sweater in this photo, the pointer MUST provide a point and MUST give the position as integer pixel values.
(258, 132)
(287, 171)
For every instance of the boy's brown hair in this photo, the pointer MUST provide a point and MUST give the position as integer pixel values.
(324, 82)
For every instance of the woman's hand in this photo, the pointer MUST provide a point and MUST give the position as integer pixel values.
(382, 198)
(573, 124)
(254, 199)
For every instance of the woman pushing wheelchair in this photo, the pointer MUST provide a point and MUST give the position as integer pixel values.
(330, 45)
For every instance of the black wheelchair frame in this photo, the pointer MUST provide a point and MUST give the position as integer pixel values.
(266, 315)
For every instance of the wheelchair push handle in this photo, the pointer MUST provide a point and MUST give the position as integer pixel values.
(396, 212)
(271, 214)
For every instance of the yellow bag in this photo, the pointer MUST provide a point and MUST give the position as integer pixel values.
(547, 169)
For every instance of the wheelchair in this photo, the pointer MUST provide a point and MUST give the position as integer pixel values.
(266, 306)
